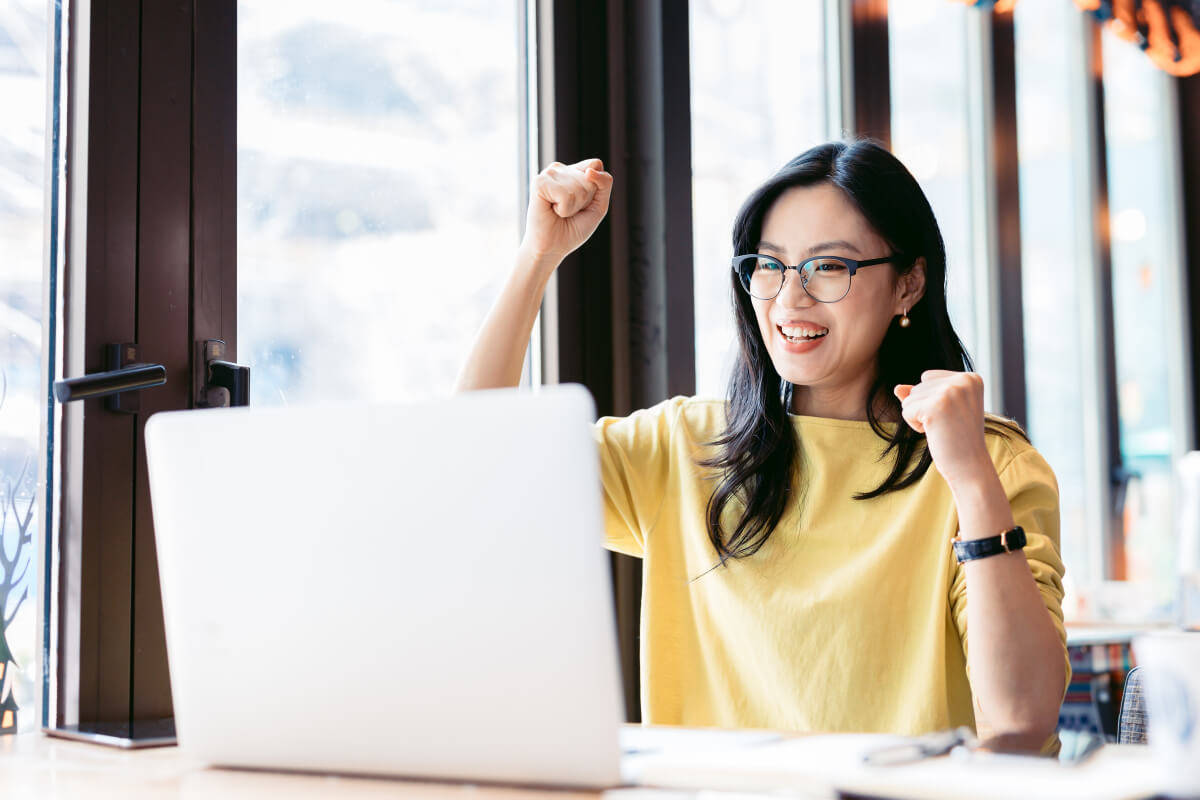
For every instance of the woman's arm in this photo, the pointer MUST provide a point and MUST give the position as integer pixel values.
(566, 205)
(1015, 654)
(1017, 667)
(499, 348)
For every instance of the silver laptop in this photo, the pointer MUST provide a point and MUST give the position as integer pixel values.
(414, 590)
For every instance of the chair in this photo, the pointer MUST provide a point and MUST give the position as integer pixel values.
(1131, 721)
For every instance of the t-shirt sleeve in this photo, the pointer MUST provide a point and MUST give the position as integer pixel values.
(1032, 492)
(635, 462)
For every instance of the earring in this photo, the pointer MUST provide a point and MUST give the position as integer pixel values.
(904, 320)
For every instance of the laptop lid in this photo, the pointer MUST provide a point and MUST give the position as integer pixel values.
(412, 590)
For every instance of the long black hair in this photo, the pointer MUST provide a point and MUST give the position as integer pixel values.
(757, 455)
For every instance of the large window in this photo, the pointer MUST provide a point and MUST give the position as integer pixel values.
(22, 144)
(1147, 280)
(1117, 497)
(1052, 264)
(758, 77)
(378, 183)
(930, 134)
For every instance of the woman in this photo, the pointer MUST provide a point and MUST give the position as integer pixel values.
(798, 564)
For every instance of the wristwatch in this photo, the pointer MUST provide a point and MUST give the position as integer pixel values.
(1012, 539)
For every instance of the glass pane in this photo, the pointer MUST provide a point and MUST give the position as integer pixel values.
(378, 184)
(1049, 154)
(22, 142)
(1141, 225)
(750, 116)
(928, 58)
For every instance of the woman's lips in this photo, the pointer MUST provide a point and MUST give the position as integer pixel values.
(802, 346)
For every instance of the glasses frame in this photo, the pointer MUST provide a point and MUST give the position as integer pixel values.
(852, 266)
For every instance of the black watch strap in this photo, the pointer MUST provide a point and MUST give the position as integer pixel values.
(1013, 539)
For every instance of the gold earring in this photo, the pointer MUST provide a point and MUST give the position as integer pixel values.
(904, 320)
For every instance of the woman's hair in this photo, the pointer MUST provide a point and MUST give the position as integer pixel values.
(757, 457)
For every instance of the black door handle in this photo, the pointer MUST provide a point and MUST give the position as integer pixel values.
(118, 385)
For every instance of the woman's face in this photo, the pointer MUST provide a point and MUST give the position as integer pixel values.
(821, 220)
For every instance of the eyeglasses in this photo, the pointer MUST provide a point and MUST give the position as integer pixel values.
(826, 279)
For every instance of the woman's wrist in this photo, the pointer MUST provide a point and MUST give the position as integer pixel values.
(537, 263)
(983, 507)
(971, 474)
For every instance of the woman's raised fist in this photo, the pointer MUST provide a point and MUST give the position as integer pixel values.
(566, 204)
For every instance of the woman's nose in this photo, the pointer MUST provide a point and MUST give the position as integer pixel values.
(792, 295)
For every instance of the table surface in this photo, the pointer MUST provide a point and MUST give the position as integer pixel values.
(1087, 633)
(34, 765)
(40, 766)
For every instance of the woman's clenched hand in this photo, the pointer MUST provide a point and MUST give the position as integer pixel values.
(948, 408)
(566, 204)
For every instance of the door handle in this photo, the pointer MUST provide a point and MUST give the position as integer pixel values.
(119, 385)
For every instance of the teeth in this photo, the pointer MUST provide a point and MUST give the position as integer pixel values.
(803, 333)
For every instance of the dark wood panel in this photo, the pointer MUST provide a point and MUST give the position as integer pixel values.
(643, 310)
(1189, 139)
(654, 300)
(214, 175)
(1115, 568)
(163, 308)
(872, 70)
(581, 130)
(106, 494)
(1010, 326)
(679, 264)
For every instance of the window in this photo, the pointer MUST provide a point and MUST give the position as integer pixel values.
(378, 188)
(23, 40)
(1117, 498)
(1147, 282)
(1052, 263)
(930, 134)
(757, 102)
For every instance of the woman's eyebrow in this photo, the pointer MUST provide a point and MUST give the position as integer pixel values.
(836, 244)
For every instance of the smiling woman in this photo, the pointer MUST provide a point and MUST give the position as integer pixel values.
(844, 201)
(797, 552)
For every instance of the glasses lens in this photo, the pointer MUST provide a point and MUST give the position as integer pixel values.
(762, 277)
(826, 279)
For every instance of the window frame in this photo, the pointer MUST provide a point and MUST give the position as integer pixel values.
(996, 206)
(149, 214)
(50, 425)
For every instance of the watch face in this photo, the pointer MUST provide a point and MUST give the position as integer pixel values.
(1015, 538)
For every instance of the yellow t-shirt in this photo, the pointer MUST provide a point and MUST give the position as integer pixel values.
(852, 616)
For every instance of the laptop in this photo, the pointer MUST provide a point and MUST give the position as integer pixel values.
(413, 590)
